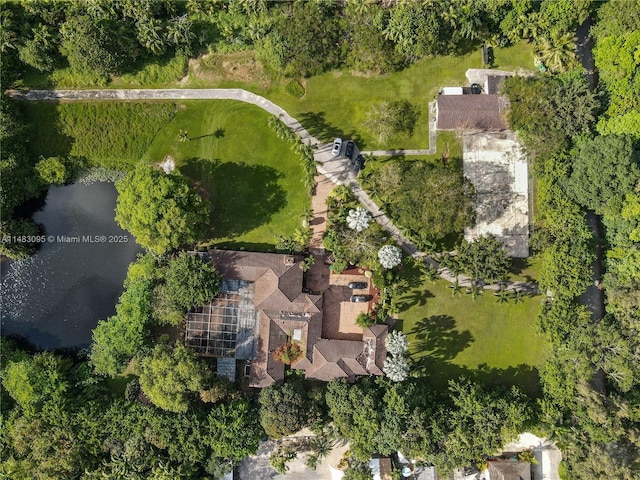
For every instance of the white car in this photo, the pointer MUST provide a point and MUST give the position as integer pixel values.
(337, 146)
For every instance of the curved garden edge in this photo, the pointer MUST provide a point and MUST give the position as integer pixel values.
(334, 169)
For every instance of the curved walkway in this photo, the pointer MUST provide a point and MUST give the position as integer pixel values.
(336, 169)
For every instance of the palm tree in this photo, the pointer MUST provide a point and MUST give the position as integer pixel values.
(455, 287)
(429, 273)
(557, 51)
(474, 290)
(322, 446)
(502, 295)
(518, 296)
(184, 135)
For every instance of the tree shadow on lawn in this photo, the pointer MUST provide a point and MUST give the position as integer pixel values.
(318, 126)
(45, 129)
(243, 196)
(437, 338)
(414, 298)
(437, 342)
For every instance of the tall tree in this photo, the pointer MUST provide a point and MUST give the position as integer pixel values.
(118, 339)
(168, 376)
(283, 409)
(162, 211)
(233, 431)
(191, 281)
(603, 168)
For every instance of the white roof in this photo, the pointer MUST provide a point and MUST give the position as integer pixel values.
(335, 473)
(374, 465)
(452, 91)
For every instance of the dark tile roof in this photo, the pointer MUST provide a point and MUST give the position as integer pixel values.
(509, 470)
(282, 308)
(471, 112)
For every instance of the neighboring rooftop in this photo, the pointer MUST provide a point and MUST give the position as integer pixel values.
(508, 470)
(470, 112)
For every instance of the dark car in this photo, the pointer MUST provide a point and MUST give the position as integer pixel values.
(348, 152)
(359, 298)
(357, 285)
(476, 89)
(359, 163)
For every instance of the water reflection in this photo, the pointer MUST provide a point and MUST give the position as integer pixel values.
(56, 297)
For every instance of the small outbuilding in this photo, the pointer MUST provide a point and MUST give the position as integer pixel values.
(508, 470)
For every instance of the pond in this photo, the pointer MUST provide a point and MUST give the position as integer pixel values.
(56, 297)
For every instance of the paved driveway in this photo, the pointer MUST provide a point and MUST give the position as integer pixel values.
(339, 313)
(257, 467)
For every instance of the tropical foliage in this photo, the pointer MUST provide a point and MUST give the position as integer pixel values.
(429, 201)
(168, 376)
(389, 256)
(161, 211)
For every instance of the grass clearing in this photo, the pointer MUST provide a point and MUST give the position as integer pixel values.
(327, 114)
(106, 133)
(452, 336)
(254, 179)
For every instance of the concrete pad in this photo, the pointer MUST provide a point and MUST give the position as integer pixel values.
(546, 453)
(257, 467)
(497, 166)
(339, 314)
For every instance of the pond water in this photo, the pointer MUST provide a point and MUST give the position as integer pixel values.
(56, 297)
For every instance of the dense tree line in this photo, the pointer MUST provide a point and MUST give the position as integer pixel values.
(62, 421)
(617, 39)
(21, 181)
(590, 379)
(299, 38)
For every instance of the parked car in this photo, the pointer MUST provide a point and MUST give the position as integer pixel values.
(476, 89)
(359, 298)
(348, 152)
(337, 146)
(358, 164)
(357, 285)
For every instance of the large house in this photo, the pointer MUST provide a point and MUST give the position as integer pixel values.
(261, 306)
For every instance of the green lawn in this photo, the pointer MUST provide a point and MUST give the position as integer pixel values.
(253, 178)
(452, 336)
(106, 133)
(336, 103)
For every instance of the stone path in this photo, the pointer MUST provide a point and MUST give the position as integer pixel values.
(336, 169)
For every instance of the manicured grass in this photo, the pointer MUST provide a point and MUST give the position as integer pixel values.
(452, 336)
(254, 179)
(525, 269)
(337, 103)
